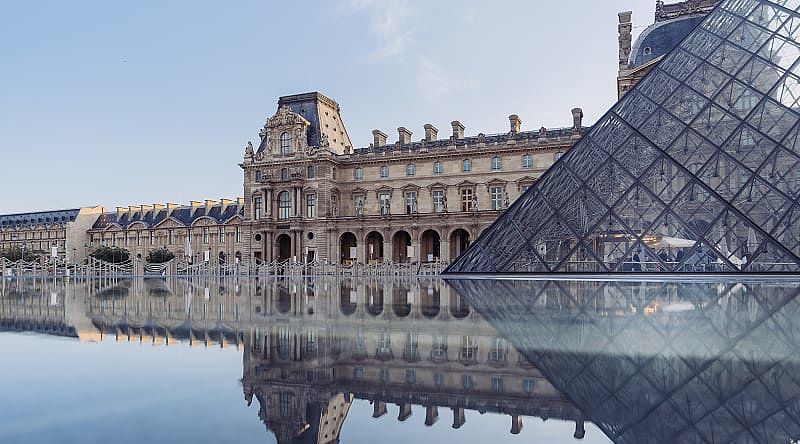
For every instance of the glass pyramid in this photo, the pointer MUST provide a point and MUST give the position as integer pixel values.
(696, 169)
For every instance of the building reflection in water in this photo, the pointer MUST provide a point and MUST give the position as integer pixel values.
(645, 361)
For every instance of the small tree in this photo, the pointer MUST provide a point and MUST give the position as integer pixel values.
(16, 253)
(114, 255)
(159, 256)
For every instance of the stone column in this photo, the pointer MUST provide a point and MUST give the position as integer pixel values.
(458, 417)
(431, 415)
(378, 409)
(405, 412)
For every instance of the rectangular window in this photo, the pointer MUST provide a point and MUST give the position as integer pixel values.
(411, 202)
(527, 161)
(206, 235)
(152, 237)
(238, 234)
(384, 171)
(466, 199)
(467, 165)
(497, 384)
(138, 239)
(258, 175)
(411, 376)
(466, 382)
(437, 167)
(358, 373)
(497, 164)
(411, 170)
(284, 205)
(438, 201)
(311, 172)
(222, 235)
(438, 379)
(497, 197)
(311, 206)
(385, 204)
(359, 174)
(358, 204)
(169, 237)
(258, 203)
(527, 385)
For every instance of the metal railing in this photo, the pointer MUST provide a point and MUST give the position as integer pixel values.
(95, 268)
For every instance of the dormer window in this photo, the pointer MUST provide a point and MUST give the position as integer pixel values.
(286, 143)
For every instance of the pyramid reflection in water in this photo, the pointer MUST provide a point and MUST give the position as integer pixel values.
(655, 362)
(697, 169)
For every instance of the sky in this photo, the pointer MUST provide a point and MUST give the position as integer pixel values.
(128, 103)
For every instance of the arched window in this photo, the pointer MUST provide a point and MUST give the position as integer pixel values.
(384, 171)
(527, 161)
(284, 205)
(497, 164)
(467, 165)
(411, 170)
(437, 167)
(359, 173)
(286, 143)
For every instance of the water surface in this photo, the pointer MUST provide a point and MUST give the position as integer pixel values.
(315, 360)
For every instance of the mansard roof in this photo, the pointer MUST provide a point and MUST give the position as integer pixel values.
(696, 169)
(184, 215)
(40, 217)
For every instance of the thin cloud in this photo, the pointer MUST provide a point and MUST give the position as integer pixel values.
(434, 82)
(389, 23)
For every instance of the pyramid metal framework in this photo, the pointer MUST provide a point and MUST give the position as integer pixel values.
(697, 169)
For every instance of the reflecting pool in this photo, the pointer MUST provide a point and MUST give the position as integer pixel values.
(332, 359)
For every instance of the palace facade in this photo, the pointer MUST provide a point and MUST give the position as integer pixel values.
(203, 231)
(310, 195)
(43, 233)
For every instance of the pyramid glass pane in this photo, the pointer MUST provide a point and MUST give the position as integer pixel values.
(696, 169)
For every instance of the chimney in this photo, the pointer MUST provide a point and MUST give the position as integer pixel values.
(121, 210)
(404, 135)
(132, 208)
(624, 30)
(430, 132)
(458, 130)
(379, 138)
(516, 123)
(209, 203)
(577, 119)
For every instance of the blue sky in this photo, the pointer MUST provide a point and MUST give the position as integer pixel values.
(153, 101)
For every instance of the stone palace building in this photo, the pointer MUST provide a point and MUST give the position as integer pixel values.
(309, 194)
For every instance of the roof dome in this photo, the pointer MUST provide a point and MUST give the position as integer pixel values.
(661, 37)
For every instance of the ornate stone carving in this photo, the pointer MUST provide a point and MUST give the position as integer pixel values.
(248, 150)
